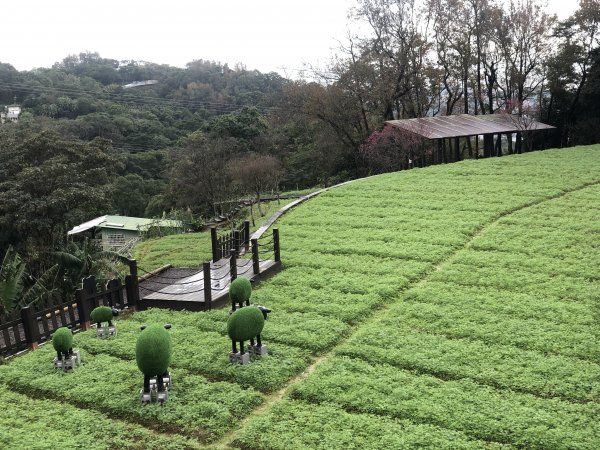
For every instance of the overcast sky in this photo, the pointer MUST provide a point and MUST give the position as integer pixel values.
(268, 35)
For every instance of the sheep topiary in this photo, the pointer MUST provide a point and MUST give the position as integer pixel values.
(104, 314)
(62, 341)
(153, 355)
(246, 324)
(240, 291)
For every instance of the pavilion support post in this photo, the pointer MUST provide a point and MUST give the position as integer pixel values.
(444, 150)
(470, 147)
(518, 143)
(544, 137)
(477, 147)
(509, 143)
(439, 152)
(457, 148)
(499, 145)
(488, 145)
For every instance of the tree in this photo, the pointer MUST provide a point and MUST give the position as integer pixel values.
(130, 195)
(198, 177)
(18, 288)
(255, 174)
(49, 184)
(570, 67)
(524, 37)
(391, 149)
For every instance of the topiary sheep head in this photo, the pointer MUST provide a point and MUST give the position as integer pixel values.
(240, 290)
(153, 350)
(62, 340)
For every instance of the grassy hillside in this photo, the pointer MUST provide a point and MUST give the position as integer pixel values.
(190, 249)
(449, 307)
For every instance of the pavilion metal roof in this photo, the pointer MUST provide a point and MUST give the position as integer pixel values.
(462, 125)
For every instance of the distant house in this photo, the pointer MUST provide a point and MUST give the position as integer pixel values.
(116, 232)
(11, 113)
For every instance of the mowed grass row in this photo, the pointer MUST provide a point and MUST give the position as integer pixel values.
(462, 352)
(501, 353)
(338, 274)
(46, 424)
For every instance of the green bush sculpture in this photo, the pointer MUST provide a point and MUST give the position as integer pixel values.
(153, 354)
(240, 291)
(103, 314)
(62, 341)
(246, 324)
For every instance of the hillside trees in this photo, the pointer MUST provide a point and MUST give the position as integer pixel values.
(524, 38)
(571, 74)
(47, 185)
(255, 174)
(198, 177)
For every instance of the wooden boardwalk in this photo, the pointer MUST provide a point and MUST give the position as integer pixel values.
(187, 292)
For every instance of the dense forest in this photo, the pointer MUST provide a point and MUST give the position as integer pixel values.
(87, 144)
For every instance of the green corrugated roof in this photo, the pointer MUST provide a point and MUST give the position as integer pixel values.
(136, 223)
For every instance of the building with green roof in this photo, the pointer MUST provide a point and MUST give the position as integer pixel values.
(115, 232)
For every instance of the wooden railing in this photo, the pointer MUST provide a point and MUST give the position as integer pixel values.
(27, 328)
(235, 239)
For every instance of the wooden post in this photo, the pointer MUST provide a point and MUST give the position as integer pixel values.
(470, 147)
(83, 309)
(457, 147)
(477, 147)
(237, 241)
(132, 291)
(90, 291)
(30, 327)
(133, 269)
(115, 293)
(499, 145)
(444, 160)
(488, 145)
(255, 260)
(233, 264)
(246, 235)
(131, 286)
(207, 286)
(215, 245)
(276, 249)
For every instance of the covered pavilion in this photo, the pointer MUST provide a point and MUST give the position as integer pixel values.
(448, 130)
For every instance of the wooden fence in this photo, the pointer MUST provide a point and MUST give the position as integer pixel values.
(235, 239)
(27, 328)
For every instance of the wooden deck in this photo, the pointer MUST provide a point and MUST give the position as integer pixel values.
(188, 292)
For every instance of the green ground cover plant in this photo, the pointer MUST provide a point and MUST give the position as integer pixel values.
(189, 249)
(479, 411)
(196, 407)
(501, 366)
(66, 426)
(296, 424)
(503, 303)
(206, 353)
(447, 307)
